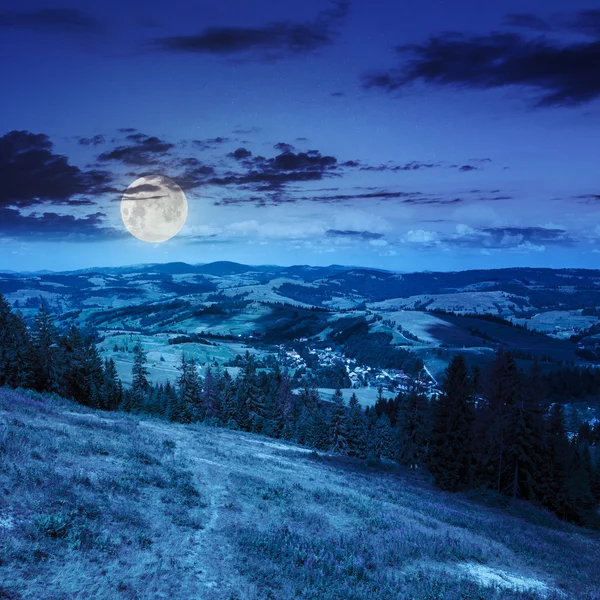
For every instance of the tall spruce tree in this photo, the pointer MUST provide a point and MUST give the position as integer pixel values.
(288, 404)
(15, 347)
(413, 429)
(450, 446)
(209, 408)
(112, 390)
(383, 441)
(189, 390)
(338, 424)
(45, 357)
(502, 390)
(527, 449)
(357, 429)
(140, 386)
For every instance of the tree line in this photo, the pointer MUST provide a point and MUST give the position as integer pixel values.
(486, 430)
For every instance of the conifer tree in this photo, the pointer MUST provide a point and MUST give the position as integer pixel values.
(6, 340)
(383, 443)
(450, 447)
(228, 401)
(189, 389)
(502, 393)
(112, 390)
(140, 386)
(357, 429)
(14, 347)
(527, 449)
(413, 429)
(209, 397)
(287, 402)
(45, 356)
(338, 424)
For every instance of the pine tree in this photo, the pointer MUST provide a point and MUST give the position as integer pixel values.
(383, 443)
(527, 448)
(287, 402)
(209, 397)
(171, 402)
(15, 350)
(251, 405)
(6, 340)
(450, 447)
(413, 433)
(357, 429)
(595, 475)
(338, 424)
(112, 391)
(140, 386)
(228, 401)
(186, 409)
(45, 356)
(502, 394)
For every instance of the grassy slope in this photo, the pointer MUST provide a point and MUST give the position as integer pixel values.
(108, 506)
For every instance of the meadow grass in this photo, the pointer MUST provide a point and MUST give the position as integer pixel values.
(101, 505)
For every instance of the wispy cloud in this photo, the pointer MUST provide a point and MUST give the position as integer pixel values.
(561, 73)
(273, 41)
(53, 20)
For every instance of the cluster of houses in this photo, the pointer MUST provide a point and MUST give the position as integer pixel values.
(361, 376)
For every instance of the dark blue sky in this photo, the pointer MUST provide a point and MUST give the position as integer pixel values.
(398, 134)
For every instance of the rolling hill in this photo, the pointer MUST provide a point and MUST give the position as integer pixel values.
(110, 506)
(273, 304)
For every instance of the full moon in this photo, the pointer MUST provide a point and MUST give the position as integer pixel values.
(154, 208)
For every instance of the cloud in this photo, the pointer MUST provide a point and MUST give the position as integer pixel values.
(588, 198)
(53, 20)
(52, 226)
(350, 233)
(523, 238)
(241, 154)
(142, 150)
(272, 174)
(31, 173)
(209, 143)
(96, 140)
(420, 236)
(284, 147)
(560, 73)
(413, 165)
(273, 41)
(586, 22)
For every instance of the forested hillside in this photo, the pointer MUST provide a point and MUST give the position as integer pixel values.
(487, 430)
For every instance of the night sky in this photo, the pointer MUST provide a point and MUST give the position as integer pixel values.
(406, 135)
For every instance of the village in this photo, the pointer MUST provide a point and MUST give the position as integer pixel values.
(361, 376)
